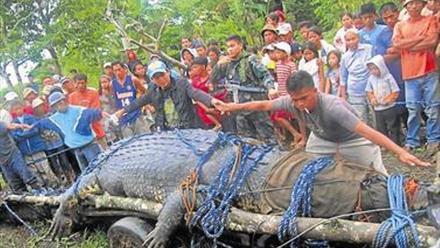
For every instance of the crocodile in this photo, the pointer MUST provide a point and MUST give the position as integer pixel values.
(152, 166)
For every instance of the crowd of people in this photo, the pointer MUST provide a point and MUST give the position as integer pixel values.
(381, 68)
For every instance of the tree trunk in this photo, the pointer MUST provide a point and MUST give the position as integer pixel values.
(241, 221)
(5, 76)
(15, 66)
(54, 55)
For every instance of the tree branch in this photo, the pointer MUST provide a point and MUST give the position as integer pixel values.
(152, 48)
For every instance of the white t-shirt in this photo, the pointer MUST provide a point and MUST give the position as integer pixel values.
(312, 68)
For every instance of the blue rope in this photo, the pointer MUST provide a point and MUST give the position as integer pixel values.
(301, 199)
(26, 225)
(221, 140)
(395, 227)
(212, 215)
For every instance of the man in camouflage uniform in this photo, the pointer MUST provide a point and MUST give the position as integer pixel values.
(246, 80)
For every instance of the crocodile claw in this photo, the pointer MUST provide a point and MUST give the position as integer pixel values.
(61, 226)
(155, 240)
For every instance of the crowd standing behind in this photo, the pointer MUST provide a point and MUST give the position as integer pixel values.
(382, 69)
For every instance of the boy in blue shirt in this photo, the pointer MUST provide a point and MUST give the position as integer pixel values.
(371, 31)
(31, 145)
(73, 123)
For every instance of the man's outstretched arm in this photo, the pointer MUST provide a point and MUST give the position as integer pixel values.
(383, 141)
(248, 106)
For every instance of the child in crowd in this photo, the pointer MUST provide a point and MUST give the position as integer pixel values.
(347, 23)
(357, 22)
(315, 36)
(74, 124)
(187, 56)
(383, 91)
(297, 53)
(284, 69)
(272, 19)
(213, 55)
(332, 81)
(31, 145)
(310, 63)
(199, 80)
(269, 59)
(106, 97)
(55, 148)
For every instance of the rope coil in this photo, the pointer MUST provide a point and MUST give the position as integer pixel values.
(301, 198)
(213, 213)
(399, 227)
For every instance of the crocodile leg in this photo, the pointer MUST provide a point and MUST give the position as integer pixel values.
(169, 219)
(66, 215)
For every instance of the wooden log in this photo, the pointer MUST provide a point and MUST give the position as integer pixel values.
(35, 200)
(242, 221)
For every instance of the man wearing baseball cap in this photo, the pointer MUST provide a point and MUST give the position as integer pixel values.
(416, 38)
(73, 123)
(285, 33)
(108, 70)
(68, 85)
(173, 99)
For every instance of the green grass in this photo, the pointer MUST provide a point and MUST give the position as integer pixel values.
(15, 237)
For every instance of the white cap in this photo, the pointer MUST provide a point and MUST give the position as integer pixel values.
(11, 96)
(283, 46)
(37, 102)
(108, 64)
(269, 47)
(56, 77)
(284, 28)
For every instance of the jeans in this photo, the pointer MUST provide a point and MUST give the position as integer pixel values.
(84, 155)
(17, 173)
(359, 103)
(423, 93)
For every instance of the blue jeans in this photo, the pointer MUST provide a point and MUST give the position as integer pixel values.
(423, 93)
(17, 173)
(85, 154)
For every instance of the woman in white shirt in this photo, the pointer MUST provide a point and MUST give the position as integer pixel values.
(347, 23)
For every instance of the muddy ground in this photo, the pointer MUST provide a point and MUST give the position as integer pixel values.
(18, 236)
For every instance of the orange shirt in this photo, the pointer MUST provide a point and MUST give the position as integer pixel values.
(421, 62)
(88, 99)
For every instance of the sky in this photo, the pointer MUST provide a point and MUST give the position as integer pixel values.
(24, 71)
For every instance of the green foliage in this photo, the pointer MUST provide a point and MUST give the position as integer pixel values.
(328, 12)
(78, 36)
